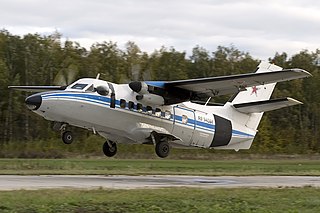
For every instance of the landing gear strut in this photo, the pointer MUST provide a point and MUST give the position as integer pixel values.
(109, 148)
(66, 136)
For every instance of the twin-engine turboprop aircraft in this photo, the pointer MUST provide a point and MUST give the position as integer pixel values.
(165, 113)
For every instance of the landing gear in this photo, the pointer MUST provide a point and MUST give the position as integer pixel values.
(109, 148)
(162, 149)
(67, 137)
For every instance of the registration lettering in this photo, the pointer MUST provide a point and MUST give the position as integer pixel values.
(205, 119)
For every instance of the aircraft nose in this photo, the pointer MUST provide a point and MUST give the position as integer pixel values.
(33, 102)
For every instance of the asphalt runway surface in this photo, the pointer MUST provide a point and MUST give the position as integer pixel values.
(16, 182)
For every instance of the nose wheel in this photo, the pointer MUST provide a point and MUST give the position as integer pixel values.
(109, 148)
(67, 137)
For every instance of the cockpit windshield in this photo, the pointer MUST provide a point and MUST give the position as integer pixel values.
(79, 86)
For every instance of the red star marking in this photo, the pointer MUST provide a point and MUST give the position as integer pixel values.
(254, 90)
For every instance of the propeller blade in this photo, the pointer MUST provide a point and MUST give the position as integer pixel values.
(65, 76)
(135, 72)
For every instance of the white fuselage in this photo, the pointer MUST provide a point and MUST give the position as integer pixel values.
(127, 120)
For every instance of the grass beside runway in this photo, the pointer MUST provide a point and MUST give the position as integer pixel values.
(161, 166)
(163, 200)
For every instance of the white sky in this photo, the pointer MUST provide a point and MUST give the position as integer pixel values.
(256, 26)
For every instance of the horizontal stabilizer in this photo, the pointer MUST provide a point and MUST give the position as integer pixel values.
(264, 106)
(37, 88)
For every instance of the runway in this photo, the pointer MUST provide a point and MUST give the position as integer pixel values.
(16, 182)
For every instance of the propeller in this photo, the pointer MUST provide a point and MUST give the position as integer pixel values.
(66, 76)
(139, 87)
(135, 72)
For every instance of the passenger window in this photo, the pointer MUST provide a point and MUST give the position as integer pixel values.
(184, 119)
(123, 103)
(149, 109)
(163, 114)
(139, 107)
(131, 105)
(157, 112)
(167, 114)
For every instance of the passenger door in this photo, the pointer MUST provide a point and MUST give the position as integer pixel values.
(184, 124)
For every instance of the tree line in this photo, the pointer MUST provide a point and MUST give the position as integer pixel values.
(35, 59)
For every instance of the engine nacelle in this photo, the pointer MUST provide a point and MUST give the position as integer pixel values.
(139, 87)
(150, 99)
(102, 90)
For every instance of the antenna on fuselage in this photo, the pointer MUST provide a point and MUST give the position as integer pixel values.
(98, 76)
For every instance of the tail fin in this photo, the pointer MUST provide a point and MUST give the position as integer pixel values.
(257, 93)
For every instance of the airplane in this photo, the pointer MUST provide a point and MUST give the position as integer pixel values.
(165, 114)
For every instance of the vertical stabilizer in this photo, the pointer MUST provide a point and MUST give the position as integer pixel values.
(257, 93)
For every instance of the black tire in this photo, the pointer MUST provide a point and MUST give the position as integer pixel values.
(162, 149)
(67, 137)
(109, 151)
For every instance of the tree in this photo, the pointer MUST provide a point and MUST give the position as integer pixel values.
(109, 61)
(200, 63)
(230, 60)
(37, 60)
(169, 64)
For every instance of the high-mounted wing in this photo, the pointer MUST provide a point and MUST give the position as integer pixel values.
(37, 88)
(200, 89)
(231, 84)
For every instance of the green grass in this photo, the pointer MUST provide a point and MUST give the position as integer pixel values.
(144, 167)
(163, 200)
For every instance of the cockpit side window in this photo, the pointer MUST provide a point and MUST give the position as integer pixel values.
(90, 89)
(79, 86)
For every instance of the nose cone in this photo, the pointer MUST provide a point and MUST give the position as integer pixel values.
(33, 102)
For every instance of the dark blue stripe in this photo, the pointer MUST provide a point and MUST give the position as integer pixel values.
(156, 83)
(95, 99)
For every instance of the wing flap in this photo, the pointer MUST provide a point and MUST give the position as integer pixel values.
(264, 106)
(37, 88)
(223, 85)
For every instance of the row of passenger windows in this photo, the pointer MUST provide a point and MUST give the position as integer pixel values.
(148, 109)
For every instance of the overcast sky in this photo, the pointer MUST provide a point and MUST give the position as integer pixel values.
(258, 27)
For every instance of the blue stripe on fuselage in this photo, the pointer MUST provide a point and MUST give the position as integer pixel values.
(105, 101)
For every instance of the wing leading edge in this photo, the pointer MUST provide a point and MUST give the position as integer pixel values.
(224, 85)
(37, 88)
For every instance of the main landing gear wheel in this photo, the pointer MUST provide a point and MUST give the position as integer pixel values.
(109, 148)
(67, 137)
(162, 149)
